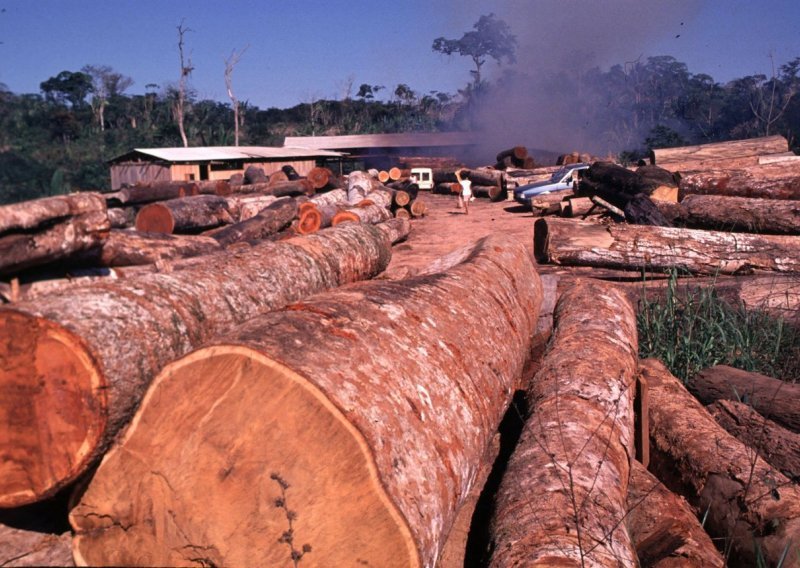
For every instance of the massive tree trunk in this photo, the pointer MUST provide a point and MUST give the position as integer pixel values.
(749, 215)
(633, 247)
(279, 188)
(777, 400)
(185, 215)
(747, 503)
(663, 527)
(771, 181)
(130, 248)
(357, 419)
(775, 444)
(675, 158)
(36, 213)
(105, 342)
(19, 547)
(268, 221)
(122, 217)
(562, 498)
(157, 191)
(371, 214)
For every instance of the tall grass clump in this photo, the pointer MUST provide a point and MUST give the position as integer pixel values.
(691, 329)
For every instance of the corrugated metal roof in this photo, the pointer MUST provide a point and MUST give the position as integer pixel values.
(227, 153)
(399, 140)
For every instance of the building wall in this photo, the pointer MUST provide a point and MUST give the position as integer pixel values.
(137, 172)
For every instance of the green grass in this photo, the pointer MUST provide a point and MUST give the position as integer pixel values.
(692, 330)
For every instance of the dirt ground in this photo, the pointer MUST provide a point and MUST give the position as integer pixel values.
(445, 228)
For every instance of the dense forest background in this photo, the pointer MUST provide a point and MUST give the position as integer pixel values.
(59, 139)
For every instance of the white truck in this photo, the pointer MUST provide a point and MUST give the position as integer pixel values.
(424, 177)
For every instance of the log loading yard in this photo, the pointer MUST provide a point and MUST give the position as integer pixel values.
(327, 370)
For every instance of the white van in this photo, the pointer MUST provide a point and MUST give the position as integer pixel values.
(424, 177)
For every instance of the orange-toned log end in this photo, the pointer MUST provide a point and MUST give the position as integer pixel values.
(395, 174)
(277, 177)
(455, 188)
(256, 440)
(307, 186)
(402, 214)
(365, 203)
(319, 177)
(306, 206)
(309, 221)
(155, 218)
(383, 176)
(52, 410)
(344, 217)
(402, 198)
(418, 208)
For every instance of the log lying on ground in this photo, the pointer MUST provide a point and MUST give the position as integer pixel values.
(748, 503)
(669, 157)
(35, 213)
(633, 247)
(775, 444)
(214, 187)
(19, 547)
(373, 452)
(156, 191)
(105, 342)
(770, 181)
(663, 528)
(122, 217)
(573, 458)
(188, 214)
(749, 215)
(279, 188)
(371, 214)
(131, 248)
(775, 399)
(268, 221)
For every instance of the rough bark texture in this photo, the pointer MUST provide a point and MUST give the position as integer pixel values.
(669, 158)
(663, 528)
(48, 210)
(749, 503)
(75, 366)
(187, 214)
(562, 498)
(770, 181)
(775, 444)
(267, 222)
(86, 231)
(130, 248)
(633, 247)
(122, 217)
(375, 450)
(370, 214)
(749, 215)
(20, 547)
(160, 191)
(773, 398)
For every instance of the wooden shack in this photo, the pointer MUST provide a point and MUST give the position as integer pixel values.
(146, 165)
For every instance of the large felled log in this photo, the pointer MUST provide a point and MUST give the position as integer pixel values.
(749, 215)
(775, 399)
(562, 501)
(633, 247)
(19, 547)
(372, 452)
(770, 181)
(35, 213)
(669, 157)
(214, 187)
(106, 342)
(747, 503)
(131, 248)
(625, 189)
(287, 188)
(157, 191)
(663, 527)
(188, 214)
(122, 217)
(775, 444)
(64, 239)
(268, 221)
(319, 177)
(371, 214)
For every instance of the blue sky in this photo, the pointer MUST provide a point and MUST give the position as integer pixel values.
(304, 50)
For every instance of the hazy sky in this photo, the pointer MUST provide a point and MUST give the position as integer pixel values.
(303, 50)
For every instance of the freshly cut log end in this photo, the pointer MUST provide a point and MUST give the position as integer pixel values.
(402, 214)
(319, 177)
(395, 173)
(344, 217)
(46, 416)
(155, 218)
(402, 198)
(310, 221)
(383, 176)
(342, 510)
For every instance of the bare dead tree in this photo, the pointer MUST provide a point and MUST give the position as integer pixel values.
(186, 70)
(230, 63)
(769, 107)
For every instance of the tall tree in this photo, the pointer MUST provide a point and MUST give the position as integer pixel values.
(186, 70)
(230, 63)
(68, 87)
(491, 37)
(106, 83)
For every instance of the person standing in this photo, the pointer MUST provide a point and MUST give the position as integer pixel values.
(465, 195)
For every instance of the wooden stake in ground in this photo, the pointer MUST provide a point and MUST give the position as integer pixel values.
(746, 502)
(105, 342)
(562, 499)
(356, 420)
(633, 247)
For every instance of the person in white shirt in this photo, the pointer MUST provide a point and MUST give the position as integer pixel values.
(465, 195)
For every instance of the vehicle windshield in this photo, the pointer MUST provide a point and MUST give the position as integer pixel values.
(559, 174)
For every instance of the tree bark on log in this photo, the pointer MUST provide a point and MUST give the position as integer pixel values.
(770, 181)
(19, 547)
(749, 504)
(633, 247)
(663, 528)
(372, 453)
(748, 215)
(185, 215)
(105, 342)
(122, 217)
(268, 221)
(214, 187)
(666, 157)
(562, 501)
(773, 398)
(19, 251)
(34, 213)
(131, 248)
(371, 214)
(159, 191)
(776, 445)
